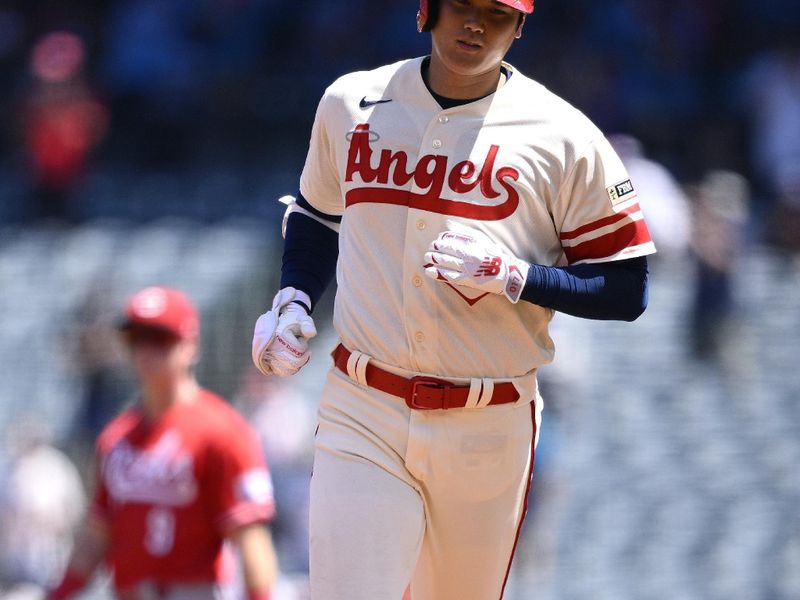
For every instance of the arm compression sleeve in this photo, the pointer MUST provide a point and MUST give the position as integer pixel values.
(310, 252)
(615, 290)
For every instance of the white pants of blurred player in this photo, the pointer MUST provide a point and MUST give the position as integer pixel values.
(435, 498)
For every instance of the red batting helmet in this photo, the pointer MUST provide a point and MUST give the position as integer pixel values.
(429, 11)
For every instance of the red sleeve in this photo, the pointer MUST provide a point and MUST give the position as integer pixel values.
(99, 509)
(102, 505)
(240, 486)
(597, 212)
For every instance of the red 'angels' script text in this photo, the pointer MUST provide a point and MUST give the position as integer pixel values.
(430, 175)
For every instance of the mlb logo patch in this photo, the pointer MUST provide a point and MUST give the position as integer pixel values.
(620, 192)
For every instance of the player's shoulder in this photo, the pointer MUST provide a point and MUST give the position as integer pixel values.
(210, 404)
(370, 84)
(220, 428)
(119, 427)
(218, 415)
(540, 105)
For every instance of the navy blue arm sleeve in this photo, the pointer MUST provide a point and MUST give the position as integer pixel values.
(310, 252)
(608, 291)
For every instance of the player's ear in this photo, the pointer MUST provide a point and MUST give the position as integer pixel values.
(521, 25)
(193, 351)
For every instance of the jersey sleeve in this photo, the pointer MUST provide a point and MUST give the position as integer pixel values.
(319, 182)
(240, 486)
(597, 213)
(100, 506)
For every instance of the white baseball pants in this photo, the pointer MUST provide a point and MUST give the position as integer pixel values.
(434, 498)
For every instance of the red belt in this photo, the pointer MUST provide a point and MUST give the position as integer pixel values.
(423, 393)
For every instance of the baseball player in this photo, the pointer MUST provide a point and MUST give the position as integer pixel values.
(179, 473)
(459, 204)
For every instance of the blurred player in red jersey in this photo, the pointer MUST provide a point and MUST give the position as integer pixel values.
(179, 473)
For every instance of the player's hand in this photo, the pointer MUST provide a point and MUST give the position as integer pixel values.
(280, 339)
(476, 262)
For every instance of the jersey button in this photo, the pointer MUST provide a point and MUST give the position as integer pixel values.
(421, 225)
(437, 144)
(419, 336)
(444, 119)
(417, 281)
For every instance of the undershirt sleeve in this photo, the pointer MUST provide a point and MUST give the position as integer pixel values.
(615, 290)
(310, 253)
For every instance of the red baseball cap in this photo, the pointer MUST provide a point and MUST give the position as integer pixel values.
(162, 308)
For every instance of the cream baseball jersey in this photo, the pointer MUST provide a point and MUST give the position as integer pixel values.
(521, 166)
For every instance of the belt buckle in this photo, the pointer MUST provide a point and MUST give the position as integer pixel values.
(430, 384)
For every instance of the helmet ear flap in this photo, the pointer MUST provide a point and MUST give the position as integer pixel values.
(518, 35)
(426, 17)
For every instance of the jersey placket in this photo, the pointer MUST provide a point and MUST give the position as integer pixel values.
(422, 326)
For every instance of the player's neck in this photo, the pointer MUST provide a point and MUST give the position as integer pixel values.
(450, 84)
(159, 396)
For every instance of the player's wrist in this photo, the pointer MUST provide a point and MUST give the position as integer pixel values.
(287, 296)
(71, 584)
(303, 300)
(516, 279)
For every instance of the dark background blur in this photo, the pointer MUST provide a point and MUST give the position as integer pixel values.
(221, 87)
(146, 141)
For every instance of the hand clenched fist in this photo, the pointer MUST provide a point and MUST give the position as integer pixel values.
(475, 262)
(280, 339)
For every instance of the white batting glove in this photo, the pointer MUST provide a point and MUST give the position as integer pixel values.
(280, 339)
(475, 262)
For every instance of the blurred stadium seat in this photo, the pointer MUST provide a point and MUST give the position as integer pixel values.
(47, 274)
(680, 478)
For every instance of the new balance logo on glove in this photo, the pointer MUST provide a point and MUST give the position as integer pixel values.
(490, 267)
(476, 262)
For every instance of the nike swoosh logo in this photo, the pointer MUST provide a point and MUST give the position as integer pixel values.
(367, 103)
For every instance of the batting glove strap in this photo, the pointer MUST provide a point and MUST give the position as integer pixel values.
(302, 299)
(476, 262)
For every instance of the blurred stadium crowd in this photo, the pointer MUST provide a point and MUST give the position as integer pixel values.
(145, 141)
(223, 92)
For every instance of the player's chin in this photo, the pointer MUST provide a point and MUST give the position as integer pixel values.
(153, 368)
